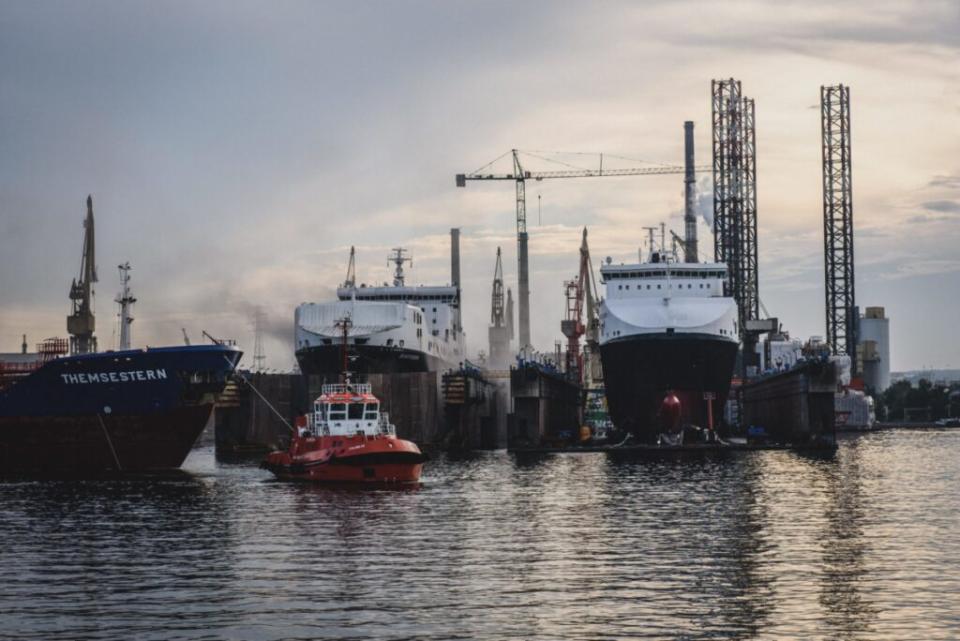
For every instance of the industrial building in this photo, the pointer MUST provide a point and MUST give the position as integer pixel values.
(873, 349)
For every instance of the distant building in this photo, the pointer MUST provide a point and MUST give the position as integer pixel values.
(873, 349)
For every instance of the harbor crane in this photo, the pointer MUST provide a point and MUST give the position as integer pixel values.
(519, 176)
(81, 321)
(580, 292)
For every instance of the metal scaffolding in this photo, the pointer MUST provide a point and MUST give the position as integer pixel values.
(748, 256)
(735, 195)
(838, 221)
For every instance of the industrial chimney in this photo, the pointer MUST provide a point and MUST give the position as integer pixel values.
(455, 271)
(690, 195)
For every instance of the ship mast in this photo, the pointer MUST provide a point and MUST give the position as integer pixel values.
(81, 321)
(344, 325)
(351, 279)
(125, 299)
(398, 259)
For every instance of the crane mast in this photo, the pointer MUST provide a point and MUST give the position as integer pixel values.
(81, 321)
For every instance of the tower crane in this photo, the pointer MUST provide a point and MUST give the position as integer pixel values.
(519, 177)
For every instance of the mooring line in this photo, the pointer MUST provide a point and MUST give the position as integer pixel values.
(262, 398)
(116, 460)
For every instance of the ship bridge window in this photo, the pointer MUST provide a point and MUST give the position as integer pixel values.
(337, 411)
(327, 341)
(356, 412)
(370, 412)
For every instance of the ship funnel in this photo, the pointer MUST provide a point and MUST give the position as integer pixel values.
(455, 271)
(690, 195)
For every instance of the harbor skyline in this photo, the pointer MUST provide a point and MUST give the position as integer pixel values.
(236, 152)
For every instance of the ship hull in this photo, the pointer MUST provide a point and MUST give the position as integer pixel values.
(70, 445)
(127, 411)
(348, 459)
(327, 360)
(640, 370)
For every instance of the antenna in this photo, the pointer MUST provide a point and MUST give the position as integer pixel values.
(258, 356)
(344, 324)
(651, 242)
(126, 300)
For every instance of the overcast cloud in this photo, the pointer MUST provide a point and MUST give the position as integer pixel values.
(235, 151)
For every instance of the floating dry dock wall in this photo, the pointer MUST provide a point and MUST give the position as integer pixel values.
(795, 406)
(546, 406)
(472, 405)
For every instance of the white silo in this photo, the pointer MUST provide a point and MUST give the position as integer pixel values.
(874, 348)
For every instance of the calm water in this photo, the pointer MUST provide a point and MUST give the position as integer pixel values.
(756, 545)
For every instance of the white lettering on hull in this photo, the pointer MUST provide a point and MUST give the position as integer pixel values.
(114, 377)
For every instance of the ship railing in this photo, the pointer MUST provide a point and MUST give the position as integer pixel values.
(352, 388)
(384, 426)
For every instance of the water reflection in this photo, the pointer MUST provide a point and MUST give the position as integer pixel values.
(848, 614)
(751, 545)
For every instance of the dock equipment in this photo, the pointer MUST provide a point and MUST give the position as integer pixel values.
(81, 321)
(501, 320)
(841, 308)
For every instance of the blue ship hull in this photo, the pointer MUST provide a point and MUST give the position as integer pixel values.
(132, 410)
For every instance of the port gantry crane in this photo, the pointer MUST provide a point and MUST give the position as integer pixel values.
(520, 176)
(581, 291)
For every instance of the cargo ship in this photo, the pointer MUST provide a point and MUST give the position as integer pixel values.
(668, 333)
(398, 328)
(69, 409)
(128, 411)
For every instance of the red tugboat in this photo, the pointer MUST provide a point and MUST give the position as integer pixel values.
(347, 439)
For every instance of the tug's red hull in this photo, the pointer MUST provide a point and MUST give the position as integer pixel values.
(348, 459)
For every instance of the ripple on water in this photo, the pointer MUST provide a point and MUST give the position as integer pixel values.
(764, 545)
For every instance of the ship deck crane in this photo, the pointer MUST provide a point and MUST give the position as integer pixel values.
(519, 176)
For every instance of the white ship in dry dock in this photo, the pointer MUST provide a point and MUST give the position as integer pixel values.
(666, 329)
(398, 328)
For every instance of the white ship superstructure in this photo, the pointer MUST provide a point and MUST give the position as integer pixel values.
(666, 297)
(394, 328)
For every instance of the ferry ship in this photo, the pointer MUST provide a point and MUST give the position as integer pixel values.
(668, 333)
(398, 328)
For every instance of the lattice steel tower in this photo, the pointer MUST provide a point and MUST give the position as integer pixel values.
(838, 221)
(735, 195)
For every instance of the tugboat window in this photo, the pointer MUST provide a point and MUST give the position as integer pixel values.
(338, 411)
(356, 412)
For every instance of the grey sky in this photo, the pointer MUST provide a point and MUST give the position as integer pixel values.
(236, 150)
